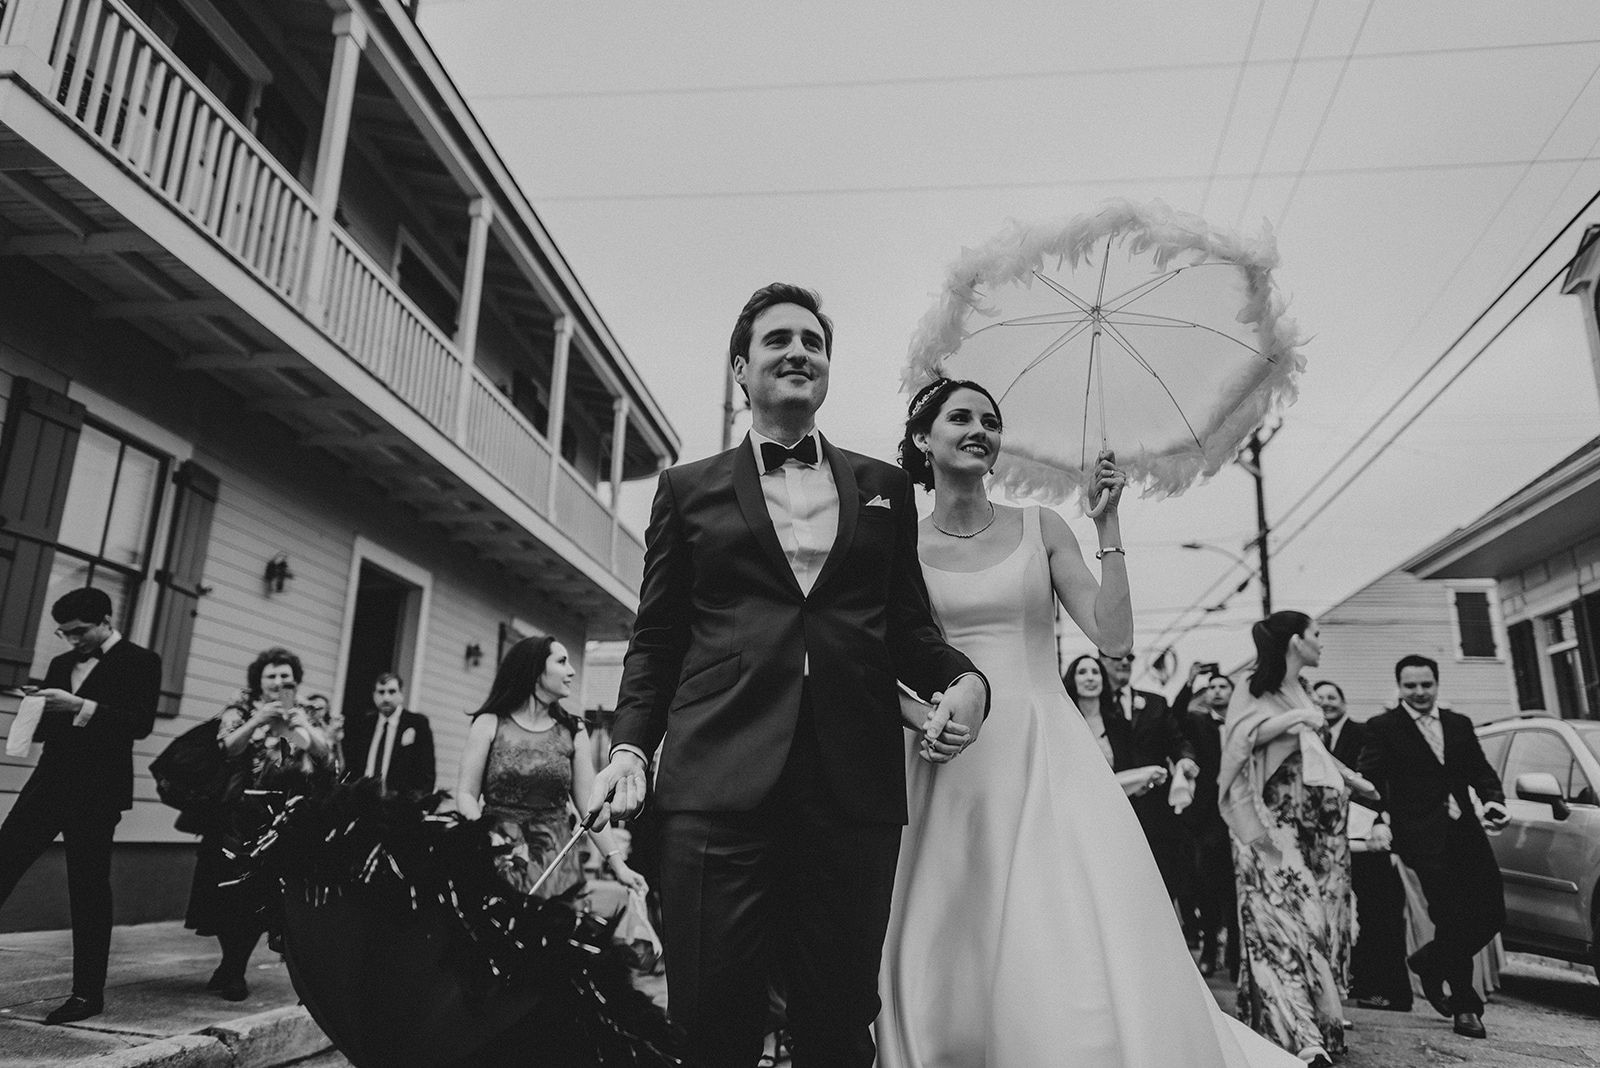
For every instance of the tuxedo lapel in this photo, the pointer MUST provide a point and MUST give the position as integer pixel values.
(1419, 741)
(753, 504)
(844, 481)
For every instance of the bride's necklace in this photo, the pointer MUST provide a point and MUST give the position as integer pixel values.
(974, 534)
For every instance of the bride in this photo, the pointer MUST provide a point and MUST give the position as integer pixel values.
(1029, 925)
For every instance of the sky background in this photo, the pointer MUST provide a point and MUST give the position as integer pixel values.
(1412, 155)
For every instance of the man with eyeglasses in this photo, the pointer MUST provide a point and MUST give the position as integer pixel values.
(99, 698)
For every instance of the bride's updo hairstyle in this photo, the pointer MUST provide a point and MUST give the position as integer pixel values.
(1272, 637)
(925, 408)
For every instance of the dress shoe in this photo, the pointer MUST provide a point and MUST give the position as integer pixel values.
(218, 977)
(1378, 1001)
(1470, 1025)
(234, 988)
(1433, 989)
(74, 1009)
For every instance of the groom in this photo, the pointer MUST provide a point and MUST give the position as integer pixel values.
(782, 598)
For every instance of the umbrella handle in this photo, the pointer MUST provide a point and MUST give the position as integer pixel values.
(1098, 506)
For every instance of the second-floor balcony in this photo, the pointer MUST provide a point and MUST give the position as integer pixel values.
(126, 172)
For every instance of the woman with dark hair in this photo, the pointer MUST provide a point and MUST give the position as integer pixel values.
(525, 757)
(1029, 924)
(277, 742)
(1086, 684)
(1285, 800)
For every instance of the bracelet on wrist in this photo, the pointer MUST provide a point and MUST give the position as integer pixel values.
(1103, 553)
(612, 853)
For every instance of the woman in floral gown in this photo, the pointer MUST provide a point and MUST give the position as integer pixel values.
(1290, 850)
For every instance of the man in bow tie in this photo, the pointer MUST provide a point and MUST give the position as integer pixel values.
(391, 743)
(99, 698)
(1424, 760)
(781, 600)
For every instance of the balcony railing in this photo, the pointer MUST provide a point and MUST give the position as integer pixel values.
(124, 87)
(126, 90)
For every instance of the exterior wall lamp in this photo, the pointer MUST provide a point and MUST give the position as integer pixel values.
(474, 654)
(277, 574)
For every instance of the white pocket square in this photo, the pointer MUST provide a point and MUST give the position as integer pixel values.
(878, 502)
(408, 736)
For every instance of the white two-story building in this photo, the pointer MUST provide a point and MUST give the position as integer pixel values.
(286, 358)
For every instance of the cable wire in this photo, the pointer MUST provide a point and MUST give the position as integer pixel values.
(1233, 102)
(1277, 112)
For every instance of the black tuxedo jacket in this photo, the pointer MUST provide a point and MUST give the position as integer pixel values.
(1352, 739)
(1204, 736)
(91, 767)
(411, 767)
(1153, 737)
(1397, 759)
(721, 641)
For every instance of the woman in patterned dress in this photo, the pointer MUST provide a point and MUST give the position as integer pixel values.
(525, 757)
(1290, 850)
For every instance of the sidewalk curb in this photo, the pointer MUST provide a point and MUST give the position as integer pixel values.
(265, 1040)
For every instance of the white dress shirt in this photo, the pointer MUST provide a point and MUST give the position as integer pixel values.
(80, 671)
(385, 731)
(803, 503)
(1432, 729)
(1338, 729)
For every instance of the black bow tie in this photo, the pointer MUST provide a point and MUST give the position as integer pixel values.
(93, 654)
(774, 456)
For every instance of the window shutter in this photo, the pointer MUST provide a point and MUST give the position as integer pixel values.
(179, 582)
(1475, 624)
(1589, 651)
(36, 453)
(1525, 665)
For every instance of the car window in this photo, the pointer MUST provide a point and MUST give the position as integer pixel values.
(1494, 749)
(1582, 791)
(1590, 733)
(1537, 750)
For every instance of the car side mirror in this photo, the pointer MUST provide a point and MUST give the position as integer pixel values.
(1541, 786)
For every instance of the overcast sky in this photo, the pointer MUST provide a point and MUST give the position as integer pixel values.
(1413, 159)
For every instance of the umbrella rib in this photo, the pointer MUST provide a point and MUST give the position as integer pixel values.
(1049, 351)
(1170, 321)
(1082, 305)
(1143, 289)
(1116, 335)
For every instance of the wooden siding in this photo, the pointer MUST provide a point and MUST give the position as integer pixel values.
(1397, 614)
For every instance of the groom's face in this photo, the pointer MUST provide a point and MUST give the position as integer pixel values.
(788, 363)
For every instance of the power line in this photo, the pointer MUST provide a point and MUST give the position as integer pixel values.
(1012, 76)
(1057, 183)
(1277, 113)
(1233, 102)
(1327, 110)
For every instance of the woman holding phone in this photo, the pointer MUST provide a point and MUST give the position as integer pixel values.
(276, 742)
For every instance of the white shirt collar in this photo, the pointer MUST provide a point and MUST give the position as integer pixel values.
(756, 438)
(105, 646)
(1416, 716)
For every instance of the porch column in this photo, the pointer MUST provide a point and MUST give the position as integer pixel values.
(350, 37)
(27, 35)
(481, 215)
(619, 443)
(558, 404)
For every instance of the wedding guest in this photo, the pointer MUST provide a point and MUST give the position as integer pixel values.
(390, 742)
(525, 758)
(1426, 762)
(277, 743)
(1289, 844)
(1154, 738)
(99, 698)
(1213, 850)
(1085, 684)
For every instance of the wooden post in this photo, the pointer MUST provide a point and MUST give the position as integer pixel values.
(27, 37)
(481, 215)
(558, 405)
(619, 444)
(350, 37)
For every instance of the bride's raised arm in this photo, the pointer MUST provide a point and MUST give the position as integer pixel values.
(1103, 610)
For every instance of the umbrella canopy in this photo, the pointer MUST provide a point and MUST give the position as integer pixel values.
(1137, 328)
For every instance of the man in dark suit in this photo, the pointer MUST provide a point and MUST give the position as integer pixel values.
(1212, 848)
(391, 743)
(1154, 738)
(99, 698)
(1423, 760)
(1378, 975)
(782, 598)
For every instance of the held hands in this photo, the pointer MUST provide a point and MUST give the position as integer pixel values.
(953, 724)
(623, 782)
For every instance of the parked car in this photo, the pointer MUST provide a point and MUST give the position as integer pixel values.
(1549, 855)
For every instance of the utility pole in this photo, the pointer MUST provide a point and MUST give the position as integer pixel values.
(1263, 555)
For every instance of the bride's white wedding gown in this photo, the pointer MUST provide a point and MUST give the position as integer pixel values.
(1030, 927)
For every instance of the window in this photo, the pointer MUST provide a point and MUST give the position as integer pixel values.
(1539, 751)
(1566, 662)
(1525, 664)
(107, 530)
(427, 286)
(1474, 625)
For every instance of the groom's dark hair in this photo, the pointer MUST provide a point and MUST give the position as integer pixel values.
(767, 297)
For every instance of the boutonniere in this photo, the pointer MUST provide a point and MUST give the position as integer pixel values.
(408, 736)
(1138, 702)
